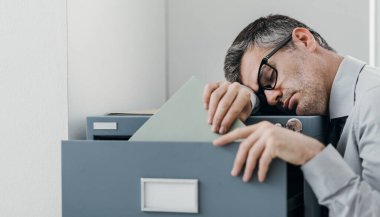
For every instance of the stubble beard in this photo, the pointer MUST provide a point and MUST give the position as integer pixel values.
(312, 100)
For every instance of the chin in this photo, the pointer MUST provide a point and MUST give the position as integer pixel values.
(300, 112)
(311, 105)
(302, 109)
(305, 110)
(304, 113)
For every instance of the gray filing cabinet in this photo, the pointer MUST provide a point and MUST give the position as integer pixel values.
(104, 175)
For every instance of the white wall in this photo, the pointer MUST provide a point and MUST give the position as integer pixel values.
(200, 32)
(117, 58)
(33, 110)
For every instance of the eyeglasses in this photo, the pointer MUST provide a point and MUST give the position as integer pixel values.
(267, 74)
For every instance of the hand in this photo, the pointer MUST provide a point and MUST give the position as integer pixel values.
(264, 142)
(225, 103)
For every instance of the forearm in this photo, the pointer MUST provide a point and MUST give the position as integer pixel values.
(339, 188)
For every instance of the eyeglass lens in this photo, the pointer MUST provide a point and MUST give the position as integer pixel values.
(268, 76)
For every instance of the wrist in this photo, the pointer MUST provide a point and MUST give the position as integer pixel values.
(313, 151)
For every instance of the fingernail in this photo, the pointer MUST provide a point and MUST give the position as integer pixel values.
(245, 179)
(260, 179)
(222, 130)
(214, 128)
(233, 173)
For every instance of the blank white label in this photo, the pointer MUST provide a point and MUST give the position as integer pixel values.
(105, 126)
(169, 195)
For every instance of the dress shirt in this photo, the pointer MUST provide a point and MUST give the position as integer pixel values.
(347, 179)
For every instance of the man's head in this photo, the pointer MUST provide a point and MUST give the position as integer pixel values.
(293, 59)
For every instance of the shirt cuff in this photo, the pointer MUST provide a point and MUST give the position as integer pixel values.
(255, 102)
(327, 172)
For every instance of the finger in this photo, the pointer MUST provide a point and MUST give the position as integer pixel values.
(234, 111)
(253, 155)
(242, 154)
(265, 160)
(214, 101)
(239, 133)
(223, 107)
(240, 158)
(208, 89)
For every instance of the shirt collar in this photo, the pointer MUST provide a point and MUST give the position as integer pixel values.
(342, 91)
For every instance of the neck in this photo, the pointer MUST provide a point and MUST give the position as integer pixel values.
(332, 63)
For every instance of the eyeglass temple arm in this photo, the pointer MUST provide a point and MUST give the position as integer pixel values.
(282, 44)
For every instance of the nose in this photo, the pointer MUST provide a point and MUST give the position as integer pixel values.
(273, 96)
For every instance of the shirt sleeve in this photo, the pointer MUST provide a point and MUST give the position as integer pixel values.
(255, 102)
(339, 188)
(333, 181)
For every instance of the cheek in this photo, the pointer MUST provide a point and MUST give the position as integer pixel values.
(309, 82)
(290, 76)
(313, 100)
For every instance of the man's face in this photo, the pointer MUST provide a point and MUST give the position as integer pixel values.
(300, 85)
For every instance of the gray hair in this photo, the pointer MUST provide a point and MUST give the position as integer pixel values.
(265, 32)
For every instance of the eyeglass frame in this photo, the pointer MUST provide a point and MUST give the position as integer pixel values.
(265, 60)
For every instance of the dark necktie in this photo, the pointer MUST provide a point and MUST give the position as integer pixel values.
(335, 130)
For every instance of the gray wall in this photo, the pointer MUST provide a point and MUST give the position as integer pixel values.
(200, 32)
(117, 58)
(374, 32)
(33, 111)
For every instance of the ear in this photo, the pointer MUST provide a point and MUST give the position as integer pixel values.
(303, 37)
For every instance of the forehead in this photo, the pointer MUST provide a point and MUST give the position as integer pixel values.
(249, 66)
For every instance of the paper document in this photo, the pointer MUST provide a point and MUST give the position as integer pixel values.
(181, 118)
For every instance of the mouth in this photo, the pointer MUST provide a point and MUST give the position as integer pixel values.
(289, 103)
(292, 102)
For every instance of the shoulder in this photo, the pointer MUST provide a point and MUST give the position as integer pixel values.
(366, 113)
(368, 79)
(369, 99)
